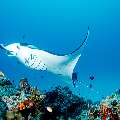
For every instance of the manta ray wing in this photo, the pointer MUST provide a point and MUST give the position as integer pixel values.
(37, 59)
(28, 45)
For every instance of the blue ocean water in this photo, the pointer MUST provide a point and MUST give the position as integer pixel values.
(58, 26)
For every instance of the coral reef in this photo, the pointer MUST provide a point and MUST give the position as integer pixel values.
(108, 109)
(17, 103)
(63, 103)
(29, 103)
(6, 87)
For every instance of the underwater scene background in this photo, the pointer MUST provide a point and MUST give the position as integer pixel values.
(59, 26)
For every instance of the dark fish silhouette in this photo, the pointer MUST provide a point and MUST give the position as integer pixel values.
(92, 77)
(74, 78)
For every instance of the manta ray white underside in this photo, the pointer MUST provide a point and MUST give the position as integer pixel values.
(37, 59)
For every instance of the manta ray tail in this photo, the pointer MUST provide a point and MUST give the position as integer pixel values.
(83, 43)
(74, 56)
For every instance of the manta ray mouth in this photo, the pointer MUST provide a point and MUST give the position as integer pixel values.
(2, 47)
(9, 53)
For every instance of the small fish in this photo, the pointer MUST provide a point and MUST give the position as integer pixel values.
(49, 109)
(91, 77)
(74, 78)
(1, 74)
(90, 86)
(23, 36)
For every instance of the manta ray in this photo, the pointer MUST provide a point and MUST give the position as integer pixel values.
(37, 59)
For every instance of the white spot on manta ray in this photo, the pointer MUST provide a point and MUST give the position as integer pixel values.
(37, 59)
